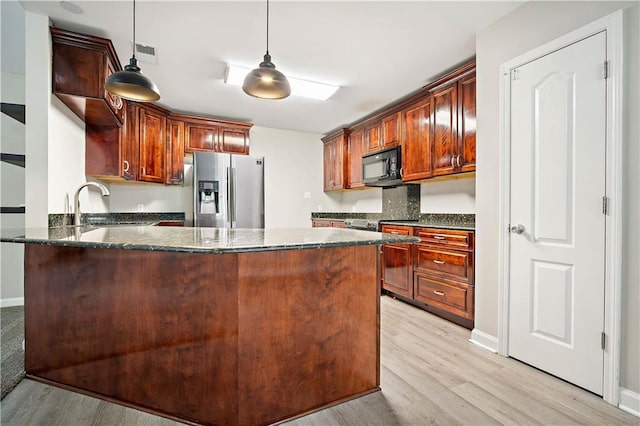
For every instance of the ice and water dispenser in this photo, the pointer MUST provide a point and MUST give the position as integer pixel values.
(208, 197)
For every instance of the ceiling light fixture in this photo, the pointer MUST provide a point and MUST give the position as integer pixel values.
(265, 81)
(131, 83)
(309, 89)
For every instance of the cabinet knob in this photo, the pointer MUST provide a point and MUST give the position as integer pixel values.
(143, 171)
(126, 166)
(458, 160)
(453, 159)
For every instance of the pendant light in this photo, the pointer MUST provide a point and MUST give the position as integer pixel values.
(265, 81)
(131, 83)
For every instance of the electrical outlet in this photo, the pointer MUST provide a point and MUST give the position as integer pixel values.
(140, 207)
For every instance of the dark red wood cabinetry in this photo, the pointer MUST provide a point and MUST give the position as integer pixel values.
(128, 140)
(436, 274)
(397, 263)
(417, 141)
(80, 66)
(355, 151)
(334, 160)
(436, 128)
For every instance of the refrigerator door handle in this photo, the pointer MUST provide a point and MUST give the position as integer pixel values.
(229, 199)
(232, 197)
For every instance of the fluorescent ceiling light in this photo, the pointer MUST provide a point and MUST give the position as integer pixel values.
(308, 89)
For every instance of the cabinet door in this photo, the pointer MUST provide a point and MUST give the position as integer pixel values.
(327, 165)
(466, 157)
(445, 107)
(175, 152)
(130, 145)
(417, 141)
(115, 102)
(390, 126)
(152, 146)
(397, 264)
(201, 137)
(338, 162)
(234, 140)
(356, 149)
(372, 137)
(397, 269)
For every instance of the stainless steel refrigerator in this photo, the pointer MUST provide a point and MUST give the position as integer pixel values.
(228, 190)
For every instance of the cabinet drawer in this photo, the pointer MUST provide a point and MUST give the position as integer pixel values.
(454, 264)
(399, 230)
(446, 237)
(454, 298)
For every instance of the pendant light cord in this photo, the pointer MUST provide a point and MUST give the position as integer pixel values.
(267, 27)
(134, 29)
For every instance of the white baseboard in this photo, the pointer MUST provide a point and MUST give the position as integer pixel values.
(629, 402)
(484, 340)
(14, 301)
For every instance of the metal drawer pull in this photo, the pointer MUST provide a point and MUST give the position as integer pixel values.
(439, 262)
(439, 293)
(439, 237)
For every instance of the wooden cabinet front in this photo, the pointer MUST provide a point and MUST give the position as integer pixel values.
(444, 117)
(417, 141)
(201, 137)
(397, 263)
(355, 151)
(153, 146)
(175, 153)
(234, 140)
(391, 130)
(333, 160)
(466, 156)
(80, 66)
(372, 137)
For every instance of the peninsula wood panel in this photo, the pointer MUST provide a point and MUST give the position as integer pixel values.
(157, 330)
(325, 321)
(248, 338)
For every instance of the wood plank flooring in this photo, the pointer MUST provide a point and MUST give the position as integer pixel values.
(430, 375)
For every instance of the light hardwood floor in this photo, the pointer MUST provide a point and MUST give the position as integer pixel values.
(430, 374)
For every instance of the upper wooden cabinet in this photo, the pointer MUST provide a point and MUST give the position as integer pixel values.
(152, 138)
(466, 160)
(356, 148)
(436, 128)
(80, 66)
(334, 160)
(391, 127)
(174, 174)
(444, 104)
(373, 141)
(417, 141)
(203, 134)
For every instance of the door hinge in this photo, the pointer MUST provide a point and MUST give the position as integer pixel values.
(603, 341)
(605, 205)
(605, 70)
(514, 74)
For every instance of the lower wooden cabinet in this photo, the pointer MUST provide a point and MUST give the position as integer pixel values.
(436, 274)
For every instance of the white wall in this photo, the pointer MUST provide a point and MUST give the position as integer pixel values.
(448, 196)
(512, 36)
(293, 167)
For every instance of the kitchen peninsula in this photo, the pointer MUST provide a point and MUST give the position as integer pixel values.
(205, 325)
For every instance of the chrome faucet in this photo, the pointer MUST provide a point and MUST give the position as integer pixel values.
(76, 199)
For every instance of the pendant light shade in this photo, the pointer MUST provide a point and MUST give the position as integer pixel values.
(131, 83)
(265, 81)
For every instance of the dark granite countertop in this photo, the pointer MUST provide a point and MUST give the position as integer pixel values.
(197, 240)
(433, 220)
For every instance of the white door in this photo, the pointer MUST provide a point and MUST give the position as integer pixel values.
(557, 275)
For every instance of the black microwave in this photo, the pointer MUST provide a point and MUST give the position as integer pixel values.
(382, 168)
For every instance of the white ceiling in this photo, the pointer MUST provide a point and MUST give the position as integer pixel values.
(376, 51)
